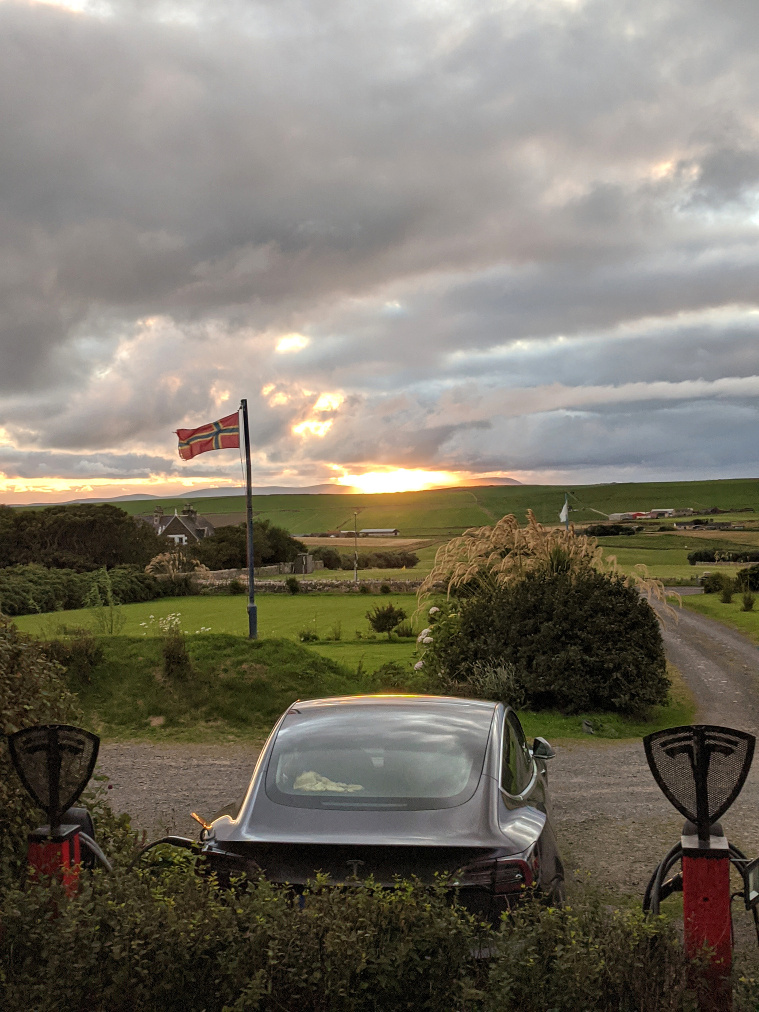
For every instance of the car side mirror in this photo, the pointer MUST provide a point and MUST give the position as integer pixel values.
(542, 750)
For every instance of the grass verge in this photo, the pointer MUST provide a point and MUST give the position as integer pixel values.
(746, 622)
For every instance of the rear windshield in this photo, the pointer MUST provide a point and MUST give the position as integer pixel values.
(353, 757)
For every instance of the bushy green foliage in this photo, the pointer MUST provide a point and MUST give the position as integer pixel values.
(587, 956)
(609, 530)
(81, 537)
(384, 618)
(381, 560)
(31, 692)
(576, 644)
(227, 548)
(329, 556)
(171, 940)
(718, 555)
(747, 579)
(79, 653)
(26, 590)
(713, 583)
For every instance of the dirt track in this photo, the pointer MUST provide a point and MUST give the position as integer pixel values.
(611, 818)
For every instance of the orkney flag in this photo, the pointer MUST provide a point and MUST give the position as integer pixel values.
(221, 435)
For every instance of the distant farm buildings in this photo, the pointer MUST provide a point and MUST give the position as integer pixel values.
(657, 514)
(372, 532)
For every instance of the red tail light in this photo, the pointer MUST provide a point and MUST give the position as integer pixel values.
(502, 875)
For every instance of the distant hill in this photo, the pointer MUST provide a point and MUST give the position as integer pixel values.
(216, 493)
(440, 513)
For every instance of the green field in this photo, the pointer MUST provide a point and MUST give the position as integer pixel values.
(449, 511)
(234, 694)
(279, 615)
(746, 622)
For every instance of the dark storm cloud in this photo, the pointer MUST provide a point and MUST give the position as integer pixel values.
(498, 197)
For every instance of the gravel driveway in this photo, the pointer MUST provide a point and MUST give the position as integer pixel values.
(611, 818)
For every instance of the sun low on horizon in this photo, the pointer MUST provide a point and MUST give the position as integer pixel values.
(399, 479)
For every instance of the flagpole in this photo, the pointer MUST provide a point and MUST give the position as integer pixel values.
(252, 610)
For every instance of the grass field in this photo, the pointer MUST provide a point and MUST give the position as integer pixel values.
(746, 622)
(279, 615)
(239, 686)
(441, 512)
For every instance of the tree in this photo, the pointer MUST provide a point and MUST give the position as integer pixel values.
(227, 548)
(82, 537)
(385, 619)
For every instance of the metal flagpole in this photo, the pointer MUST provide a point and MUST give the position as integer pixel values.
(252, 610)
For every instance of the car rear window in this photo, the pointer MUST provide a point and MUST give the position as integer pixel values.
(353, 757)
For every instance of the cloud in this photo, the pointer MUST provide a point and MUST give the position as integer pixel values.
(477, 229)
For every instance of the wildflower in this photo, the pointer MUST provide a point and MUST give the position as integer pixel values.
(419, 665)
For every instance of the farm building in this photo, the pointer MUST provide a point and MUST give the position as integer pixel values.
(183, 528)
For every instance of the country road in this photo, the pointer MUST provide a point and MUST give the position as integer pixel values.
(611, 818)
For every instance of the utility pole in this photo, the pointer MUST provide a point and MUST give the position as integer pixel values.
(355, 547)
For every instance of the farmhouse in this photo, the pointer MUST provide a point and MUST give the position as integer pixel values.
(183, 528)
(373, 532)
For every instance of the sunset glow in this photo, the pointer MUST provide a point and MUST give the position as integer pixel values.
(399, 480)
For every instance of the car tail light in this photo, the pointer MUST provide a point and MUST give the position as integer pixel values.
(502, 875)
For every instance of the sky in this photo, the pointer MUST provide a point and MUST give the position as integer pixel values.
(513, 238)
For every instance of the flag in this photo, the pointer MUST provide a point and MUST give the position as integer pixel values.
(221, 435)
(564, 515)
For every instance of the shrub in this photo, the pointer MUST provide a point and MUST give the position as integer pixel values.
(385, 619)
(329, 556)
(405, 630)
(726, 595)
(385, 588)
(747, 600)
(748, 579)
(587, 642)
(31, 692)
(293, 585)
(712, 583)
(79, 654)
(236, 587)
(363, 589)
(176, 659)
(174, 941)
(308, 636)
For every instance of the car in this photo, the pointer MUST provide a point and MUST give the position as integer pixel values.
(395, 786)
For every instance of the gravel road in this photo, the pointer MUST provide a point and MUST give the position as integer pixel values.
(611, 818)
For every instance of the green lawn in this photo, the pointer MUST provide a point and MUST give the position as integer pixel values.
(746, 622)
(449, 511)
(279, 615)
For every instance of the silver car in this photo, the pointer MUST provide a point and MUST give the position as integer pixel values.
(393, 786)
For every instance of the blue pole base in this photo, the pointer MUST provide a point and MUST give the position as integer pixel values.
(252, 622)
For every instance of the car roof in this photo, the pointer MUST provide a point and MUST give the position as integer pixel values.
(439, 704)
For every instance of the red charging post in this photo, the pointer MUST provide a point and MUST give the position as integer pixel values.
(706, 911)
(57, 855)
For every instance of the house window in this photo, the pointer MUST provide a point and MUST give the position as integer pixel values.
(178, 539)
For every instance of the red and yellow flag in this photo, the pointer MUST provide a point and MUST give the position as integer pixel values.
(221, 435)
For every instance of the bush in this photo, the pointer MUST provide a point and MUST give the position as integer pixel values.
(176, 660)
(712, 583)
(581, 643)
(748, 579)
(329, 556)
(385, 619)
(308, 636)
(174, 941)
(726, 595)
(747, 600)
(237, 587)
(79, 654)
(385, 588)
(31, 692)
(292, 584)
